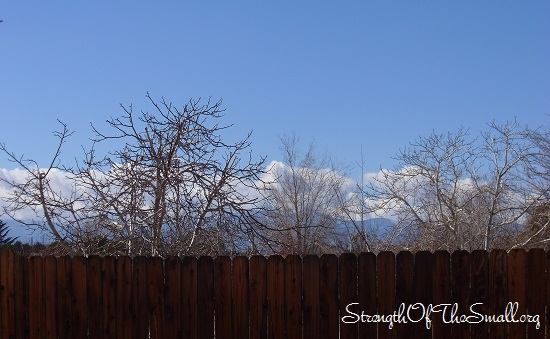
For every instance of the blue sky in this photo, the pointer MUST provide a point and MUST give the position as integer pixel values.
(375, 74)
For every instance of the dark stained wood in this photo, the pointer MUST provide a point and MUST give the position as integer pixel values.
(189, 297)
(328, 287)
(423, 289)
(545, 320)
(108, 280)
(347, 285)
(275, 297)
(386, 291)
(404, 286)
(222, 295)
(441, 292)
(205, 295)
(36, 298)
(258, 297)
(64, 297)
(124, 298)
(293, 296)
(536, 279)
(80, 300)
(95, 296)
(240, 298)
(460, 289)
(155, 289)
(479, 269)
(140, 298)
(516, 290)
(498, 296)
(367, 292)
(310, 286)
(21, 269)
(50, 297)
(7, 294)
(172, 298)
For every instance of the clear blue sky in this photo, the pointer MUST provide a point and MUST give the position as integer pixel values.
(370, 73)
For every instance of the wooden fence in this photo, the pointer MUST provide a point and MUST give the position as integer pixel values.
(276, 297)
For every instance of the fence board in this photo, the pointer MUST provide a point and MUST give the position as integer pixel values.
(222, 291)
(460, 290)
(124, 298)
(36, 297)
(546, 319)
(310, 286)
(155, 291)
(205, 293)
(108, 276)
(479, 270)
(404, 287)
(80, 302)
(536, 278)
(328, 284)
(386, 291)
(293, 296)
(275, 297)
(516, 290)
(50, 297)
(366, 266)
(140, 298)
(423, 289)
(347, 280)
(441, 292)
(498, 295)
(172, 297)
(258, 297)
(240, 298)
(95, 293)
(64, 297)
(7, 294)
(21, 269)
(189, 297)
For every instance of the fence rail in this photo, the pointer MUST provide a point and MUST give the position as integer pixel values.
(276, 297)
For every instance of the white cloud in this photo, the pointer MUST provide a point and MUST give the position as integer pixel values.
(60, 182)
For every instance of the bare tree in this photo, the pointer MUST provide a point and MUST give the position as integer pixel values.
(175, 187)
(303, 202)
(364, 231)
(449, 192)
(175, 183)
(57, 213)
(537, 227)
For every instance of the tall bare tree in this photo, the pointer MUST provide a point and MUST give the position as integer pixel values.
(175, 187)
(303, 201)
(451, 192)
(56, 212)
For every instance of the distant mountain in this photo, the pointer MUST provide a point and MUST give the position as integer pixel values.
(379, 224)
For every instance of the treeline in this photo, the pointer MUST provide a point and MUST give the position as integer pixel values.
(171, 185)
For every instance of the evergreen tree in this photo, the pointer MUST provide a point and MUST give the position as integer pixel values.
(4, 239)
